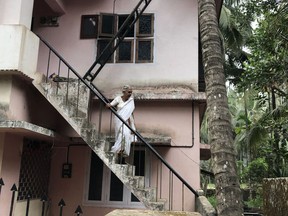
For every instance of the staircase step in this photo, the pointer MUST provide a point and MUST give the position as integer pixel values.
(148, 193)
(100, 145)
(82, 122)
(157, 206)
(111, 157)
(137, 181)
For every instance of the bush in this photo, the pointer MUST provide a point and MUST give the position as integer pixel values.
(212, 200)
(256, 171)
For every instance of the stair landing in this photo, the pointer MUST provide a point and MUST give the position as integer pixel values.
(124, 212)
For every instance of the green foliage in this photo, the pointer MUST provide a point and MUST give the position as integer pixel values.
(212, 200)
(256, 171)
(267, 64)
(256, 202)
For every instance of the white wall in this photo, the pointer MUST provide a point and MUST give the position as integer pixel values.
(16, 12)
(18, 49)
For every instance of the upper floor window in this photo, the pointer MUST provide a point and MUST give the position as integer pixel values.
(138, 44)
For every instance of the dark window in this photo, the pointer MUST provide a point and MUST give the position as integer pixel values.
(121, 20)
(116, 188)
(144, 50)
(35, 169)
(89, 26)
(139, 159)
(105, 186)
(107, 25)
(145, 25)
(125, 51)
(137, 46)
(100, 48)
(95, 182)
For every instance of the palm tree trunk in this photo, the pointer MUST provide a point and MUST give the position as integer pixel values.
(228, 193)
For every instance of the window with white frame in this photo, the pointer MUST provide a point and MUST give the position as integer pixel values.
(138, 44)
(105, 189)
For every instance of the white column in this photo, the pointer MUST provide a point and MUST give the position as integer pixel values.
(16, 12)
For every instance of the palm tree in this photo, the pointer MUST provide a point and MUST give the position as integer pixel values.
(228, 193)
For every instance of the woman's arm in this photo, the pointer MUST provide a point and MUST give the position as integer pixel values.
(113, 103)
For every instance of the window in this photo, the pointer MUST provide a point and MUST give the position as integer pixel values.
(105, 189)
(34, 170)
(144, 50)
(121, 20)
(107, 25)
(89, 26)
(138, 44)
(125, 51)
(145, 25)
(102, 43)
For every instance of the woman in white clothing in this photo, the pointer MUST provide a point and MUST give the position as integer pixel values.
(125, 107)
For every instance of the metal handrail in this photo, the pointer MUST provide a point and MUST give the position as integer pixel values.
(96, 91)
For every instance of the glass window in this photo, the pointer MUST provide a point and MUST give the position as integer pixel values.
(107, 189)
(107, 25)
(137, 46)
(95, 181)
(145, 25)
(100, 48)
(144, 50)
(125, 51)
(121, 20)
(89, 26)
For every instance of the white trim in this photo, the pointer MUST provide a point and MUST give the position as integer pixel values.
(126, 203)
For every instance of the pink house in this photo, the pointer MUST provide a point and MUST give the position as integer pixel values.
(55, 137)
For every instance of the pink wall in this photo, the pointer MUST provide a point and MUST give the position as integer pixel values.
(172, 118)
(175, 43)
(169, 118)
(10, 170)
(71, 189)
(27, 104)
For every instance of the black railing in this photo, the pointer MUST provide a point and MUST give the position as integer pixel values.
(162, 167)
(60, 65)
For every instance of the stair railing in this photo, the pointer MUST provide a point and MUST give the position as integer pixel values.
(59, 64)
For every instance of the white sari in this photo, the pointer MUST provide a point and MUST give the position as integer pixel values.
(123, 135)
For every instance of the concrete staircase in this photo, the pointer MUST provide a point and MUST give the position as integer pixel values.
(74, 110)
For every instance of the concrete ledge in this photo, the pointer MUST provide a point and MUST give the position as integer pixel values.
(172, 92)
(148, 212)
(24, 127)
(18, 49)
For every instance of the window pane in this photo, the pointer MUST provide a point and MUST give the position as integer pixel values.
(139, 162)
(107, 27)
(96, 176)
(121, 20)
(145, 25)
(100, 47)
(124, 51)
(134, 198)
(89, 26)
(144, 51)
(116, 189)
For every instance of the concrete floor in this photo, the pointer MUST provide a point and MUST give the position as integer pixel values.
(124, 212)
